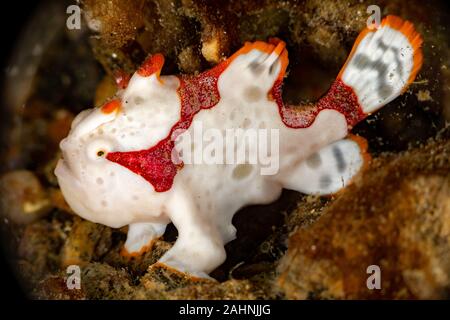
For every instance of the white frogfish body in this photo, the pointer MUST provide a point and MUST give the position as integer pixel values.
(192, 150)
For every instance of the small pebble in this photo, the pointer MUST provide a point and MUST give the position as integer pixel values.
(22, 197)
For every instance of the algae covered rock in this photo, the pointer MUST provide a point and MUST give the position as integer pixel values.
(37, 252)
(80, 245)
(395, 217)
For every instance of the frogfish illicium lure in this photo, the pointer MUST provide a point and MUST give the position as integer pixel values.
(122, 163)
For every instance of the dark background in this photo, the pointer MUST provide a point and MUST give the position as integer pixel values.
(14, 16)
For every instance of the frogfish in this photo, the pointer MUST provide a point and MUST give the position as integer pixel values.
(132, 161)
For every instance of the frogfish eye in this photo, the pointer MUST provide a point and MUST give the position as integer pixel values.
(98, 149)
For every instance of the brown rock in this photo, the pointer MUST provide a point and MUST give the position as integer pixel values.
(117, 21)
(189, 61)
(396, 217)
(37, 251)
(101, 281)
(228, 290)
(172, 284)
(22, 197)
(55, 288)
(136, 265)
(81, 243)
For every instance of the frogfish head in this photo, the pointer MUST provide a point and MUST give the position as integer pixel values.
(95, 188)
